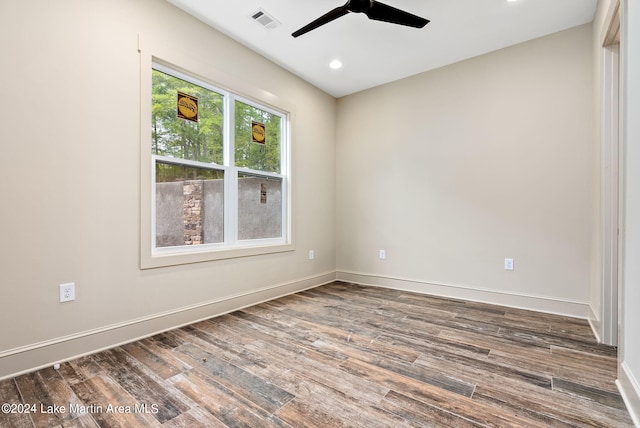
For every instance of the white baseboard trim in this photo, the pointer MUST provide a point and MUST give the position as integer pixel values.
(630, 391)
(25, 359)
(545, 304)
(594, 323)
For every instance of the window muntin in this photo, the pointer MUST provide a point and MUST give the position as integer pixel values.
(234, 190)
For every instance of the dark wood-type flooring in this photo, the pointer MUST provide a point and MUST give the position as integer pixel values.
(340, 355)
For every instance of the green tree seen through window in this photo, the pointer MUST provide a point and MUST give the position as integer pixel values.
(175, 137)
(261, 157)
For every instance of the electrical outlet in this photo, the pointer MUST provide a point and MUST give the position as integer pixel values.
(382, 254)
(508, 264)
(312, 254)
(67, 292)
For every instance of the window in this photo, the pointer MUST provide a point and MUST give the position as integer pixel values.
(219, 172)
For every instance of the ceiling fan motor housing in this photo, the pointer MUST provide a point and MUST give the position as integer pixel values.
(359, 6)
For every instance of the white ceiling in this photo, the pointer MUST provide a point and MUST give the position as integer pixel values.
(374, 52)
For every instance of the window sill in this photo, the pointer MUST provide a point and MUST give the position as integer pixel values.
(175, 258)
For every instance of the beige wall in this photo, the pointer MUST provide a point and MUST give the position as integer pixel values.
(453, 170)
(70, 174)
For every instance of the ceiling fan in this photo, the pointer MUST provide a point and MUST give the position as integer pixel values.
(373, 9)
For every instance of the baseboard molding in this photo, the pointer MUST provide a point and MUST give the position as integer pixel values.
(630, 390)
(595, 324)
(516, 300)
(25, 359)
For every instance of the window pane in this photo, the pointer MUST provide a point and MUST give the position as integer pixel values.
(199, 140)
(189, 205)
(259, 207)
(261, 153)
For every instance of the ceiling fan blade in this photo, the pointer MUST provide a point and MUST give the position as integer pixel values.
(324, 19)
(382, 12)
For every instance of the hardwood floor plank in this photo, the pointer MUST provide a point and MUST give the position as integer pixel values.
(332, 316)
(607, 365)
(263, 394)
(366, 343)
(378, 305)
(107, 402)
(61, 392)
(561, 409)
(159, 361)
(420, 414)
(81, 370)
(166, 340)
(334, 410)
(529, 320)
(607, 398)
(223, 342)
(15, 417)
(318, 368)
(370, 319)
(45, 389)
(456, 324)
(264, 326)
(542, 417)
(224, 404)
(494, 341)
(422, 374)
(194, 418)
(380, 324)
(397, 308)
(321, 392)
(300, 414)
(431, 395)
(82, 421)
(474, 368)
(141, 384)
(434, 345)
(561, 367)
(555, 339)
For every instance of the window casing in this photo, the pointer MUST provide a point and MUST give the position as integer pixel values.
(215, 190)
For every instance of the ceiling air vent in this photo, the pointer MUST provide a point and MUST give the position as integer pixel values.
(264, 19)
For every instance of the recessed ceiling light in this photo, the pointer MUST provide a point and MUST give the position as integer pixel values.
(512, 1)
(335, 64)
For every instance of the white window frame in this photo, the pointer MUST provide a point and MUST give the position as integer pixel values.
(165, 58)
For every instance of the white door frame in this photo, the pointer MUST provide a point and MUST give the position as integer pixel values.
(610, 176)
